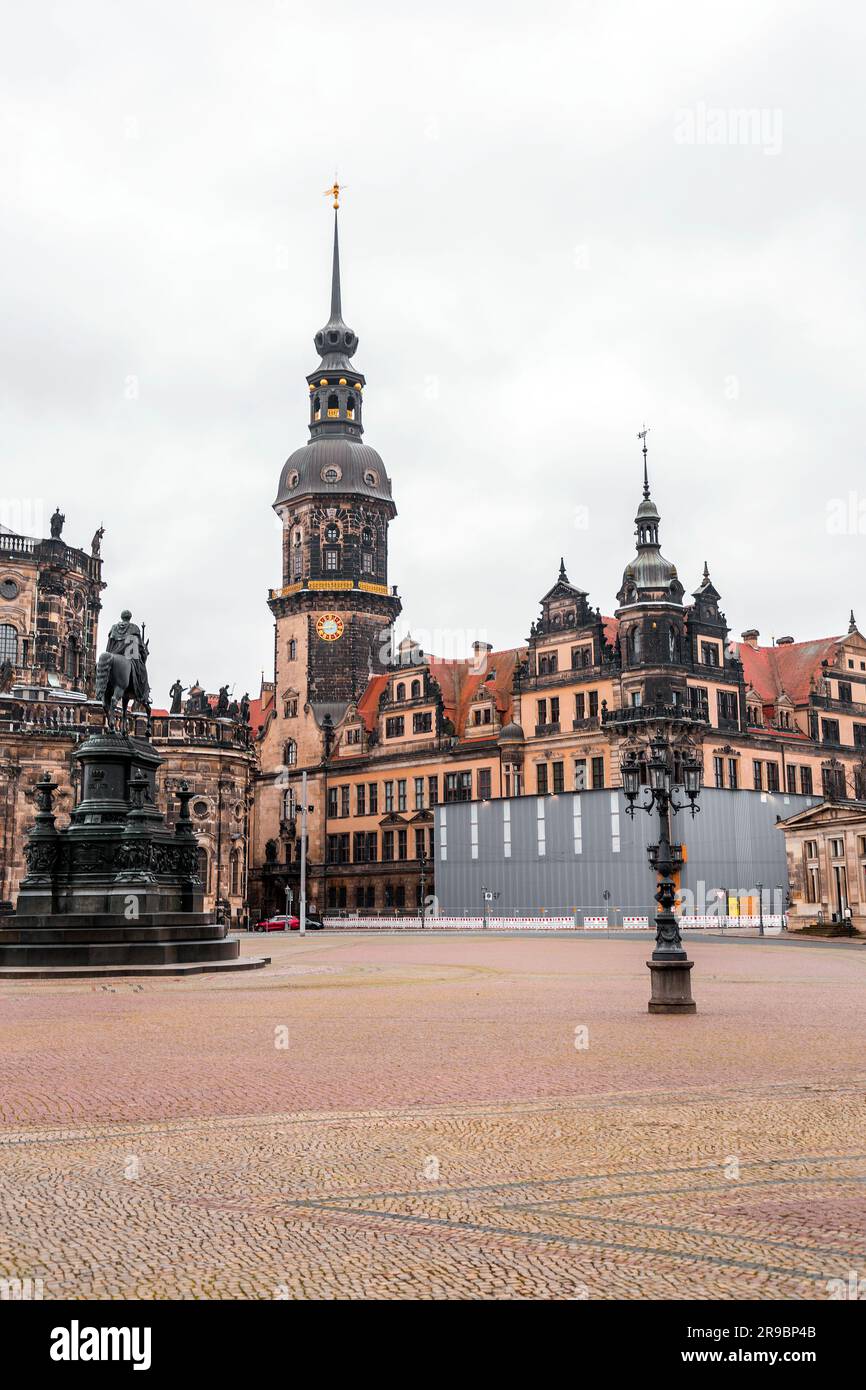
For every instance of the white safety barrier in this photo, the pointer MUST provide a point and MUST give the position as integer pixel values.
(711, 921)
(432, 923)
(635, 923)
(595, 923)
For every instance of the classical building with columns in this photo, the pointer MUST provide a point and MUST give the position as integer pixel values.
(385, 732)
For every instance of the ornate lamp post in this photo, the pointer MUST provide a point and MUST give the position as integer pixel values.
(674, 774)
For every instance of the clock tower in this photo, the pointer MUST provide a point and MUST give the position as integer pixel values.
(334, 609)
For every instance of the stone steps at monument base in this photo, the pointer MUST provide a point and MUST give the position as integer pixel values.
(116, 934)
(61, 972)
(109, 919)
(119, 953)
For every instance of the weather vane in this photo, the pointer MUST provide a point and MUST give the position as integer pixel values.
(334, 192)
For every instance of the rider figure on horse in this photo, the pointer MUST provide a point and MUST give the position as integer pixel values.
(122, 670)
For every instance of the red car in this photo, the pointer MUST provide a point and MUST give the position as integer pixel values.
(287, 924)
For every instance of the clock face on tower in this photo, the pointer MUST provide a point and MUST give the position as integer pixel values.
(329, 627)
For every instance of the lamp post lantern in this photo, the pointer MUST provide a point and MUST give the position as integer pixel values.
(661, 758)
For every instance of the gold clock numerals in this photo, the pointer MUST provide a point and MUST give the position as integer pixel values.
(329, 627)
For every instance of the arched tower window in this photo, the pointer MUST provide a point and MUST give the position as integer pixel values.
(401, 691)
(8, 644)
(290, 753)
(333, 406)
(416, 690)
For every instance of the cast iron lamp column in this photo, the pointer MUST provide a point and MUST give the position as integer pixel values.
(670, 967)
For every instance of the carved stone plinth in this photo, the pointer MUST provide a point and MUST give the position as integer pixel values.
(115, 892)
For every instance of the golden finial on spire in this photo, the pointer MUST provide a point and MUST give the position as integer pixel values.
(334, 192)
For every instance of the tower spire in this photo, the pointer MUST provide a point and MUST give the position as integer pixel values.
(642, 434)
(336, 305)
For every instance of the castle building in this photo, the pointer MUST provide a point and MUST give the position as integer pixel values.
(387, 732)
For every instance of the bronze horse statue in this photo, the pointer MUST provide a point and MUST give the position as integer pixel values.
(121, 672)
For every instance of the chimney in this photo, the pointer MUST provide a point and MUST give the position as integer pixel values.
(784, 641)
(751, 636)
(479, 647)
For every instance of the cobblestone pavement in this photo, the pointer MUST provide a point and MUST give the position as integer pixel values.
(390, 1117)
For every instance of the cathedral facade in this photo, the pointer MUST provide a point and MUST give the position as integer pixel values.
(385, 732)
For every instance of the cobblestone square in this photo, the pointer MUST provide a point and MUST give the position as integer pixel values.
(439, 1117)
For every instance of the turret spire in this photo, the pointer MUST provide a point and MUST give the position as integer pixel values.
(336, 306)
(642, 434)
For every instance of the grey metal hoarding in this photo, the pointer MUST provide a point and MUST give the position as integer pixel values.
(579, 851)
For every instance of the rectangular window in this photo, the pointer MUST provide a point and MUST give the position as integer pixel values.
(845, 692)
(360, 800)
(387, 846)
(758, 776)
(791, 778)
(772, 777)
(580, 706)
(344, 801)
(433, 790)
(554, 710)
(389, 797)
(421, 844)
(401, 794)
(541, 779)
(372, 848)
(559, 777)
(593, 704)
(331, 560)
(830, 730)
(813, 884)
(860, 735)
(332, 802)
(374, 798)
(580, 774)
(837, 849)
(597, 773)
(541, 707)
(402, 838)
(709, 654)
(699, 701)
(733, 774)
(806, 781)
(464, 785)
(419, 793)
(484, 784)
(359, 847)
(394, 725)
(422, 723)
(367, 561)
(353, 735)
(719, 771)
(727, 706)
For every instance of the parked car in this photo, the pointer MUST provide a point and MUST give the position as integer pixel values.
(283, 923)
(278, 924)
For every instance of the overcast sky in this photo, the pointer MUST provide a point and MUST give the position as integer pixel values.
(561, 221)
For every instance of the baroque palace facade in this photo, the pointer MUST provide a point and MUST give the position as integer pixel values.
(384, 733)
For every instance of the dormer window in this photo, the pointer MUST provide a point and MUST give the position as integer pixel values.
(332, 533)
(416, 690)
(401, 691)
(366, 536)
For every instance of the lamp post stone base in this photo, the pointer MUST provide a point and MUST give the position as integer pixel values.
(671, 987)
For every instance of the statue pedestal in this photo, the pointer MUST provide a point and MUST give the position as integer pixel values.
(671, 987)
(116, 892)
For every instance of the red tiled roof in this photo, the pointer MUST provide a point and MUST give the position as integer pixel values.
(790, 668)
(460, 682)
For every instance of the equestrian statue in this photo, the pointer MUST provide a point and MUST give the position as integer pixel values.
(121, 671)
